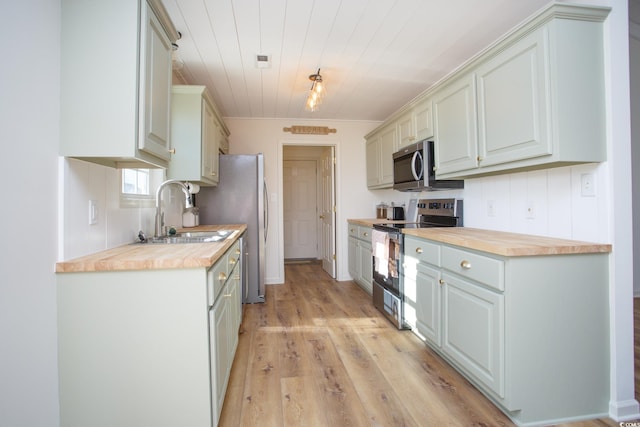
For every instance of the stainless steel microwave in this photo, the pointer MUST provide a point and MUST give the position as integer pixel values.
(413, 170)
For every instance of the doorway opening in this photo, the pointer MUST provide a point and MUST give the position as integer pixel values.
(308, 197)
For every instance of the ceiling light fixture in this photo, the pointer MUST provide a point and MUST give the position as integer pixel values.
(316, 93)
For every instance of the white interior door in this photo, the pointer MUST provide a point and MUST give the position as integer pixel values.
(328, 214)
(300, 229)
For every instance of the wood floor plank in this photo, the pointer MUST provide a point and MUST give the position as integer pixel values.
(340, 400)
(262, 403)
(301, 403)
(383, 406)
(318, 353)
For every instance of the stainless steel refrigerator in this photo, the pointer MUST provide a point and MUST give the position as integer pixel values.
(241, 198)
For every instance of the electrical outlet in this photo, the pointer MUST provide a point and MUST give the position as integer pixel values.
(491, 208)
(531, 210)
(587, 185)
(93, 212)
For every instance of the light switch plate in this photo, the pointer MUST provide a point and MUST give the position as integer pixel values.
(587, 185)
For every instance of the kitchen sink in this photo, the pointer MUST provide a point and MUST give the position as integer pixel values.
(193, 237)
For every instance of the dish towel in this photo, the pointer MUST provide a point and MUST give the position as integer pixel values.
(380, 247)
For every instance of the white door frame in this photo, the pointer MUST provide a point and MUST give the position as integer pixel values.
(310, 143)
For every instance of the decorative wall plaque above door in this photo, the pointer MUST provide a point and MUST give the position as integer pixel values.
(309, 130)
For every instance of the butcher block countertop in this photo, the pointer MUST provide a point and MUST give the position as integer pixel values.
(499, 242)
(150, 256)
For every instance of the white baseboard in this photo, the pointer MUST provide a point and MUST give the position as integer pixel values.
(627, 410)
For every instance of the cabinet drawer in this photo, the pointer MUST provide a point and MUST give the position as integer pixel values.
(486, 270)
(233, 257)
(216, 278)
(364, 233)
(422, 250)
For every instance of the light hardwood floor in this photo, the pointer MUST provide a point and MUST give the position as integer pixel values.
(317, 353)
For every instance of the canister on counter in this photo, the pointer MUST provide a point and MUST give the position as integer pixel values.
(381, 210)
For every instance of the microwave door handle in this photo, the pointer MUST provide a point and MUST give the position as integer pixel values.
(417, 175)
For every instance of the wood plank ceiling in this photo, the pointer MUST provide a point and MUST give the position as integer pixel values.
(374, 55)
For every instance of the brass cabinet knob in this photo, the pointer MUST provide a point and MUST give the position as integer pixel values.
(465, 264)
(172, 150)
(222, 276)
(418, 250)
(442, 282)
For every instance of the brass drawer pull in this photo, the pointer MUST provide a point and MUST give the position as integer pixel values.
(465, 264)
(418, 250)
(222, 276)
(442, 282)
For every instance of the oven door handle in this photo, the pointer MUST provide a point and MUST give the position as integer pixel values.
(417, 176)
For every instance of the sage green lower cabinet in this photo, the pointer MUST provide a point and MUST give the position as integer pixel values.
(531, 332)
(147, 347)
(360, 256)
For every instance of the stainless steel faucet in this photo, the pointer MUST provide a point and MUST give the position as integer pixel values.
(159, 214)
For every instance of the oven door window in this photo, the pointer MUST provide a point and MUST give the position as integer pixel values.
(387, 272)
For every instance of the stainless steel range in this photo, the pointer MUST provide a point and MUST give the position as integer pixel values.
(387, 241)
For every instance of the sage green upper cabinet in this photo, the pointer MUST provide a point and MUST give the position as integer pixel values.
(533, 100)
(513, 106)
(116, 82)
(456, 137)
(197, 133)
(416, 124)
(423, 114)
(406, 127)
(380, 147)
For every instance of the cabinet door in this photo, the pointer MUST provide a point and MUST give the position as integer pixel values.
(366, 266)
(208, 140)
(220, 351)
(513, 103)
(423, 116)
(155, 66)
(235, 313)
(456, 134)
(387, 147)
(373, 161)
(473, 330)
(353, 256)
(406, 130)
(427, 304)
(209, 145)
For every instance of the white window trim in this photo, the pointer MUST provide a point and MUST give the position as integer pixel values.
(156, 176)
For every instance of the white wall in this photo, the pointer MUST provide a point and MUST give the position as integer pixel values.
(634, 50)
(82, 181)
(352, 197)
(29, 115)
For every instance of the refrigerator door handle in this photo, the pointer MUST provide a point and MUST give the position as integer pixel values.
(266, 210)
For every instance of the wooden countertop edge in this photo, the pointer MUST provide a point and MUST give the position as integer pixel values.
(499, 242)
(154, 256)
